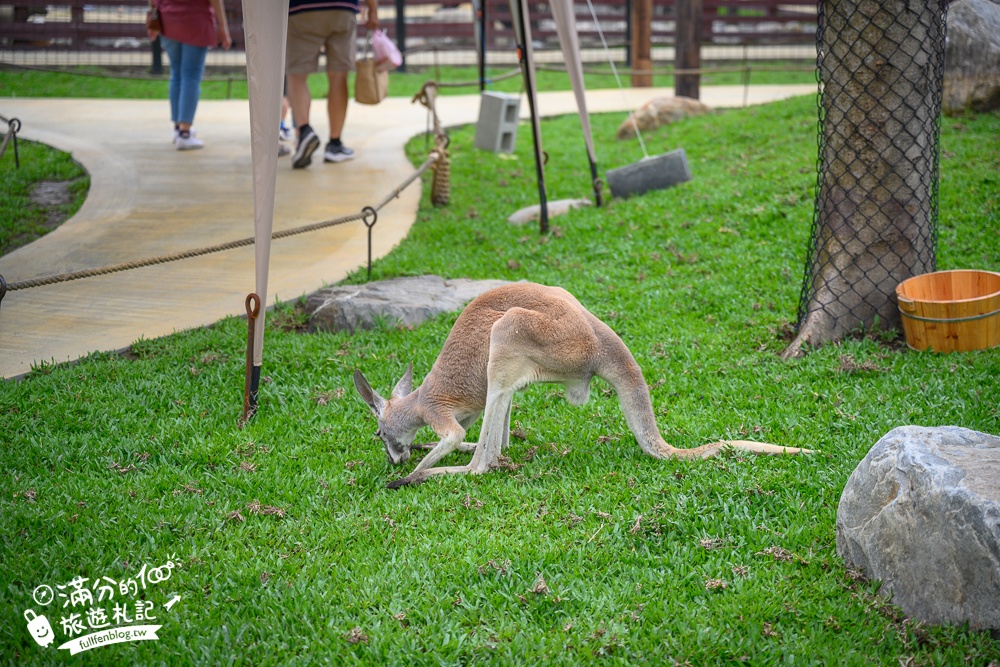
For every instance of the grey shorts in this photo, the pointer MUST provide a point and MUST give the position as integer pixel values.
(334, 30)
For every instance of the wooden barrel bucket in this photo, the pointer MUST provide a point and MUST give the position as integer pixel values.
(951, 311)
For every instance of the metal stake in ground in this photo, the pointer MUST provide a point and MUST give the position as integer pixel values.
(369, 213)
(251, 383)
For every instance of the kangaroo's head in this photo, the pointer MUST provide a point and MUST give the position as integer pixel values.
(396, 426)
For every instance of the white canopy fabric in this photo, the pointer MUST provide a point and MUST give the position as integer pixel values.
(265, 27)
(569, 43)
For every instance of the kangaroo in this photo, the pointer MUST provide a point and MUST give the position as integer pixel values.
(504, 340)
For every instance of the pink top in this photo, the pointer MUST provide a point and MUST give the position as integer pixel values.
(188, 21)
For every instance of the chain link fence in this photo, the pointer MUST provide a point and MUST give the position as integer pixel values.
(880, 68)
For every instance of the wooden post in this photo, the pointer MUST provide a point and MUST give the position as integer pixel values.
(482, 17)
(156, 47)
(642, 38)
(688, 47)
(401, 31)
(628, 33)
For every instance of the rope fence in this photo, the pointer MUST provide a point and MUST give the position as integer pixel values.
(368, 215)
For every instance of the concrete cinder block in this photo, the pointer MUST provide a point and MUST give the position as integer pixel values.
(498, 117)
(654, 173)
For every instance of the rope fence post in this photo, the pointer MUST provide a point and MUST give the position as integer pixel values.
(13, 127)
(251, 382)
(369, 218)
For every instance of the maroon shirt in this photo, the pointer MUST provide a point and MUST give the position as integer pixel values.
(189, 21)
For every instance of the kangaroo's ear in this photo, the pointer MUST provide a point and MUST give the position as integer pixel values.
(374, 401)
(405, 384)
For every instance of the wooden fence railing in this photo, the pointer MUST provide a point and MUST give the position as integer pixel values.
(118, 25)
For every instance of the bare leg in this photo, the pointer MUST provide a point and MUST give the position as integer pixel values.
(336, 102)
(299, 98)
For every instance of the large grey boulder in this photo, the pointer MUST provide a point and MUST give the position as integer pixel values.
(399, 301)
(921, 513)
(972, 57)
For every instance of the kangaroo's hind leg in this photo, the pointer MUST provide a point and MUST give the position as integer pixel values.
(529, 346)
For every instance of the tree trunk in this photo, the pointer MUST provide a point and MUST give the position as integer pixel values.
(875, 223)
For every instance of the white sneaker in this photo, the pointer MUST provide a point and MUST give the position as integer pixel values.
(177, 133)
(188, 143)
(337, 152)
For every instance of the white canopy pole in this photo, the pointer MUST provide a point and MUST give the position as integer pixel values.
(569, 42)
(265, 28)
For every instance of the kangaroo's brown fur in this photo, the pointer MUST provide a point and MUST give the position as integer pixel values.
(504, 340)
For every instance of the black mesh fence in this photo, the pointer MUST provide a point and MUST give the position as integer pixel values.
(880, 68)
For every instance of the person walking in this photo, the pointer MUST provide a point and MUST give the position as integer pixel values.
(314, 25)
(189, 28)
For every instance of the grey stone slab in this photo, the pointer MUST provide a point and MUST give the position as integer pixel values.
(404, 302)
(556, 207)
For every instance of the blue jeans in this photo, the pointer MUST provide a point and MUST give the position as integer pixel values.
(187, 64)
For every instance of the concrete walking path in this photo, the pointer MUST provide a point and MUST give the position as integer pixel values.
(147, 199)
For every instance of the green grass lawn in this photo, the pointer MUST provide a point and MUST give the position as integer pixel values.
(23, 219)
(93, 82)
(289, 550)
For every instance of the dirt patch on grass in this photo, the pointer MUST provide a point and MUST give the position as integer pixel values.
(52, 199)
(51, 193)
(52, 196)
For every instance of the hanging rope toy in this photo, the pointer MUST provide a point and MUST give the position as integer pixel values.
(441, 183)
